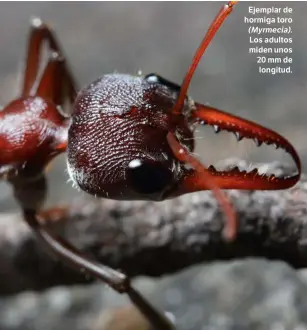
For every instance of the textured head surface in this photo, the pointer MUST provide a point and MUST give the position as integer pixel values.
(117, 138)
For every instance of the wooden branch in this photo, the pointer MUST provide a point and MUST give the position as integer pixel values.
(148, 238)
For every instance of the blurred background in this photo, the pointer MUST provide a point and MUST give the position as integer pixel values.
(161, 37)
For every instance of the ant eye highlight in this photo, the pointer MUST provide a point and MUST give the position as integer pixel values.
(148, 177)
(154, 78)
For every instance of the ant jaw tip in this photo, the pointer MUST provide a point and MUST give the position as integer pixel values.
(36, 22)
(56, 56)
(232, 3)
(229, 6)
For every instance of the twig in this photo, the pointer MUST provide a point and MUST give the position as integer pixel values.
(147, 238)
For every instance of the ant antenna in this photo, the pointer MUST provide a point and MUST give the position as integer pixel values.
(215, 25)
(231, 228)
(182, 154)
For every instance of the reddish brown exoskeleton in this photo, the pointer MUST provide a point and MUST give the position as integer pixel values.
(128, 138)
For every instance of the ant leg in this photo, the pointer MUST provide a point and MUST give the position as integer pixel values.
(69, 254)
(39, 34)
(51, 86)
(208, 182)
(115, 279)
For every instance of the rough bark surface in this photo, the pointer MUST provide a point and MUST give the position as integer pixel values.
(147, 238)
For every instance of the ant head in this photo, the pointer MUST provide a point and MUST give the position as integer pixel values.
(118, 141)
(130, 137)
(117, 145)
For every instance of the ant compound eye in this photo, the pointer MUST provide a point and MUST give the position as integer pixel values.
(148, 177)
(154, 78)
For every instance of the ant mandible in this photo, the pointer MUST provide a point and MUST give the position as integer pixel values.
(128, 138)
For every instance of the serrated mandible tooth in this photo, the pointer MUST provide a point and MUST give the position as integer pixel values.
(238, 136)
(235, 169)
(216, 128)
(212, 168)
(258, 143)
(254, 171)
